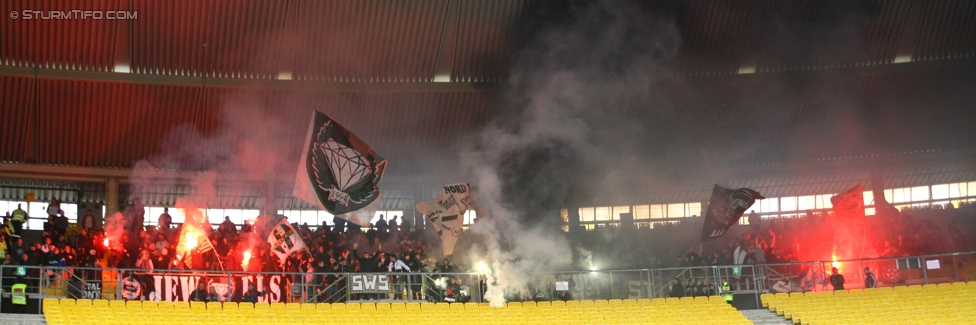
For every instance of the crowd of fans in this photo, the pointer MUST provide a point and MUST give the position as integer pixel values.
(388, 246)
(399, 246)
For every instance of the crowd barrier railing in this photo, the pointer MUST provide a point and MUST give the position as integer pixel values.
(290, 287)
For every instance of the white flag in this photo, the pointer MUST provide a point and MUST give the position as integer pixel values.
(446, 213)
(284, 240)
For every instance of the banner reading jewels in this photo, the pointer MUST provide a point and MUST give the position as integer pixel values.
(179, 287)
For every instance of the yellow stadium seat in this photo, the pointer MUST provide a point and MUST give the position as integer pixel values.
(198, 305)
(100, 303)
(514, 304)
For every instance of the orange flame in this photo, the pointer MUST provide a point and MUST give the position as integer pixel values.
(835, 263)
(105, 242)
(246, 259)
(191, 241)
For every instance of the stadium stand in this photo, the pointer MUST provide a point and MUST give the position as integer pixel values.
(700, 311)
(944, 303)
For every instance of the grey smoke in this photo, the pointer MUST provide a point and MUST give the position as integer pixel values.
(577, 100)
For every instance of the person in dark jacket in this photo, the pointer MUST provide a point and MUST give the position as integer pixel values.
(200, 294)
(836, 279)
(677, 290)
(869, 280)
(251, 295)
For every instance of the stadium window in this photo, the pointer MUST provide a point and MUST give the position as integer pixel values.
(617, 210)
(602, 214)
(972, 189)
(470, 215)
(676, 210)
(307, 216)
(787, 203)
(868, 198)
(564, 215)
(642, 212)
(657, 211)
(806, 203)
(235, 216)
(250, 215)
(693, 209)
(869, 211)
(956, 190)
(900, 195)
(920, 193)
(823, 201)
(940, 192)
(586, 214)
(215, 216)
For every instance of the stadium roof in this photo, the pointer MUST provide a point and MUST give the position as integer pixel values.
(408, 76)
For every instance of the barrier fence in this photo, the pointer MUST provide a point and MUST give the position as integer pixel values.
(233, 286)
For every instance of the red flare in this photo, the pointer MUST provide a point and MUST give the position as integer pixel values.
(246, 259)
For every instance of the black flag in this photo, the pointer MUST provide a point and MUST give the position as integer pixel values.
(725, 208)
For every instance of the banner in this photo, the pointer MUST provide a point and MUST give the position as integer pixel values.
(284, 240)
(446, 213)
(725, 208)
(179, 287)
(338, 172)
(369, 283)
(849, 203)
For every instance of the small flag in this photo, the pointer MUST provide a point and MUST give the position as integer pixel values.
(725, 208)
(338, 172)
(284, 240)
(849, 203)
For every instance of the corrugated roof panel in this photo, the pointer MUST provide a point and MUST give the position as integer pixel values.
(947, 30)
(172, 37)
(245, 39)
(717, 34)
(108, 124)
(485, 33)
(61, 34)
(805, 35)
(369, 41)
(18, 109)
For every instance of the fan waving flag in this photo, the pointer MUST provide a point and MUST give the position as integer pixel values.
(850, 203)
(446, 213)
(338, 172)
(284, 240)
(725, 208)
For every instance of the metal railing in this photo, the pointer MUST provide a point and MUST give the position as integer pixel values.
(182, 285)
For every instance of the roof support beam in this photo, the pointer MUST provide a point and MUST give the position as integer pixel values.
(247, 83)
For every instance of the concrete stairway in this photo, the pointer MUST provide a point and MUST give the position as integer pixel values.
(765, 317)
(16, 319)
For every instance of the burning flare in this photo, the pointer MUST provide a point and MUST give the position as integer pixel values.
(191, 241)
(835, 263)
(105, 242)
(246, 259)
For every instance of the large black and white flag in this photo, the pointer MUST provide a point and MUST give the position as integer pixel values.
(725, 208)
(338, 172)
(446, 213)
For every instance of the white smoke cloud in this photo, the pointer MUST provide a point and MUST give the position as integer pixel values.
(576, 100)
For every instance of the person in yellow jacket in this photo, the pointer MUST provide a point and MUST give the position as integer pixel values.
(18, 295)
(726, 291)
(17, 219)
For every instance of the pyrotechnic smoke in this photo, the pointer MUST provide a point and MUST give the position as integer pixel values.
(569, 130)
